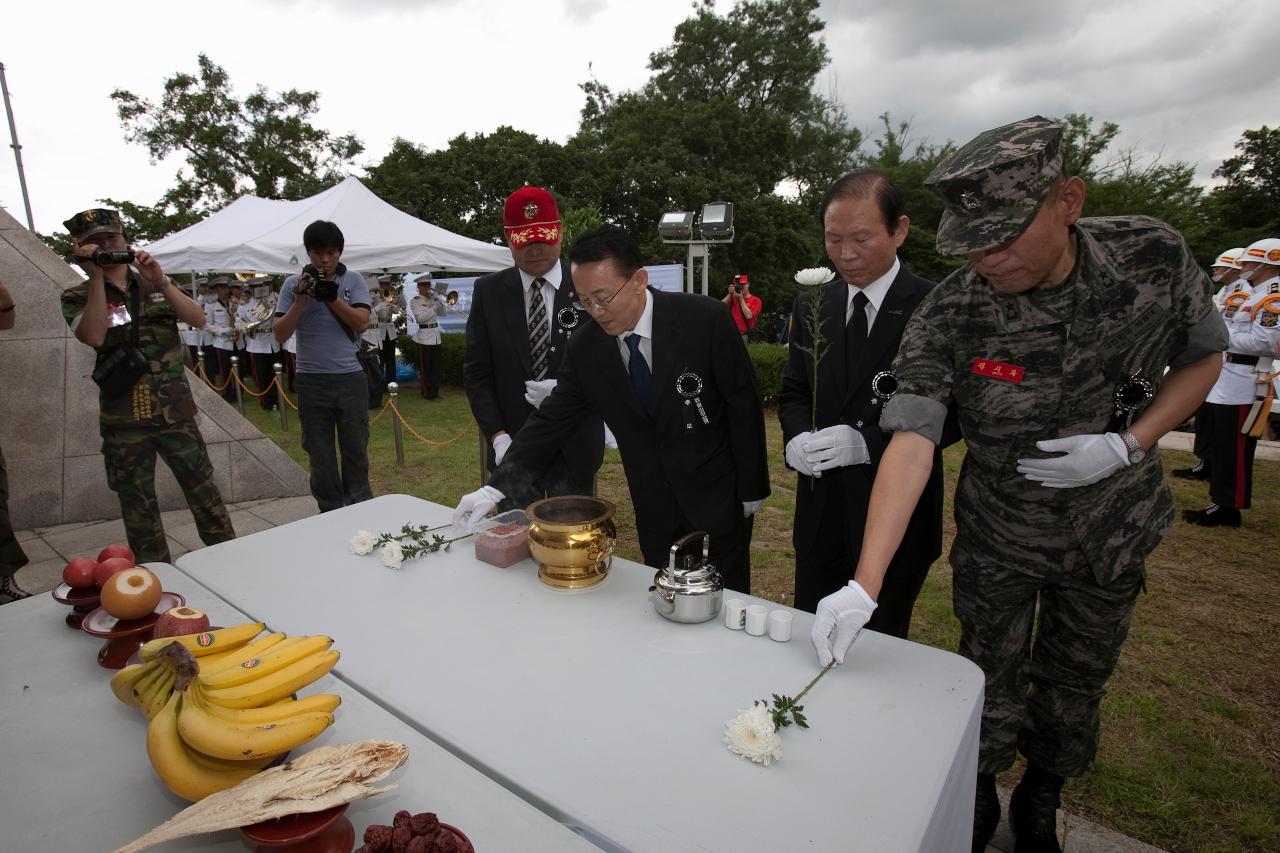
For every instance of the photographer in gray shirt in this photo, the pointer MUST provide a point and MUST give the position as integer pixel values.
(328, 306)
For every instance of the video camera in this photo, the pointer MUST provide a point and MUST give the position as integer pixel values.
(104, 258)
(310, 283)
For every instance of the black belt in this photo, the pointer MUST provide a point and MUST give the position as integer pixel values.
(1251, 360)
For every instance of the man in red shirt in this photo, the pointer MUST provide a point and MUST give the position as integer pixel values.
(744, 307)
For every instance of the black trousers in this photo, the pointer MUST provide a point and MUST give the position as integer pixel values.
(222, 358)
(12, 557)
(264, 373)
(1229, 456)
(555, 482)
(1203, 430)
(336, 404)
(387, 352)
(730, 552)
(429, 370)
(828, 564)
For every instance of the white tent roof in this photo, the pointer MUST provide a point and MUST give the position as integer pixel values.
(263, 235)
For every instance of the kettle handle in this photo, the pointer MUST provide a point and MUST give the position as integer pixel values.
(683, 542)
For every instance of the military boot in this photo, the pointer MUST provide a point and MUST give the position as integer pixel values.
(986, 812)
(1213, 516)
(1197, 471)
(1033, 812)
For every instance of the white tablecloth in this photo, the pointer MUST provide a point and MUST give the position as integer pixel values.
(75, 773)
(607, 716)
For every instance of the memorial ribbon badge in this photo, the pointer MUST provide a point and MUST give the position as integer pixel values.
(1130, 396)
(689, 386)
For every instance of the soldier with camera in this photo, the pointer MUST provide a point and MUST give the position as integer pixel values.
(327, 305)
(129, 315)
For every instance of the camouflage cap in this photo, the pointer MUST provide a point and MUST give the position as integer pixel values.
(994, 185)
(97, 220)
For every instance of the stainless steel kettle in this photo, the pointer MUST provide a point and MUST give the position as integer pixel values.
(688, 589)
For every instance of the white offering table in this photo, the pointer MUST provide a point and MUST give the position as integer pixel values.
(75, 773)
(608, 717)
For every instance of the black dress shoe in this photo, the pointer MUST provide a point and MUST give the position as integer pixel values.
(1213, 516)
(1195, 472)
(986, 812)
(1033, 814)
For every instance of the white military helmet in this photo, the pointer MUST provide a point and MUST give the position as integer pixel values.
(1230, 258)
(1265, 251)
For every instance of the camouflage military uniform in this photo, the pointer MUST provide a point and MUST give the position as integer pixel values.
(156, 416)
(1036, 366)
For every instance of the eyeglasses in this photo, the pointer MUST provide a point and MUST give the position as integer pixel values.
(599, 304)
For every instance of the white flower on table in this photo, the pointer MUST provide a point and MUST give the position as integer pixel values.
(752, 734)
(392, 555)
(814, 276)
(363, 542)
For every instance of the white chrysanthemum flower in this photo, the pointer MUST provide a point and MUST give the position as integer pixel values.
(392, 555)
(752, 735)
(363, 542)
(814, 276)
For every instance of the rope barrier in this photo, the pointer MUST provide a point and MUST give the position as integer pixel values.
(215, 386)
(376, 417)
(463, 432)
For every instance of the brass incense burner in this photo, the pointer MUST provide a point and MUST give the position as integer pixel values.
(572, 539)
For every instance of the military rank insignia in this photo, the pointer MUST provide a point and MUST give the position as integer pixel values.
(1001, 370)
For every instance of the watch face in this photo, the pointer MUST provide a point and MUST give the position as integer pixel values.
(1137, 456)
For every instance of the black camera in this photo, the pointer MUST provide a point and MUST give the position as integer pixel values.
(310, 283)
(104, 258)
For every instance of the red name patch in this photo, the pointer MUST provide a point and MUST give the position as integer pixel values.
(999, 370)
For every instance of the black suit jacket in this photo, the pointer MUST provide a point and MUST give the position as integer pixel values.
(844, 399)
(677, 462)
(497, 363)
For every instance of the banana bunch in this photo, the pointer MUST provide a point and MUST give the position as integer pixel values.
(223, 708)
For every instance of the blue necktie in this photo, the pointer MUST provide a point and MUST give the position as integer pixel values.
(639, 370)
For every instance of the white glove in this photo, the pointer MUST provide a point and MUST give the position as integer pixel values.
(750, 508)
(537, 390)
(501, 444)
(474, 507)
(1087, 459)
(840, 617)
(796, 455)
(835, 447)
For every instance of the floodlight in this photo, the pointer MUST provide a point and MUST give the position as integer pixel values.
(677, 225)
(717, 220)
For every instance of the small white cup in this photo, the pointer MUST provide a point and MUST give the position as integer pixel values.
(779, 625)
(757, 619)
(734, 614)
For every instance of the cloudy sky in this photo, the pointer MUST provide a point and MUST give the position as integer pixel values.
(1183, 79)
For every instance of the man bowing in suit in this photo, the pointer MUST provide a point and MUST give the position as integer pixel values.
(837, 449)
(520, 322)
(670, 375)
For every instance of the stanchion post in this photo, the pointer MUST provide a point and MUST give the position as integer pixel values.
(200, 371)
(281, 405)
(394, 389)
(235, 377)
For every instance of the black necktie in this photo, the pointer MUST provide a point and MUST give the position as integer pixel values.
(855, 333)
(639, 370)
(539, 330)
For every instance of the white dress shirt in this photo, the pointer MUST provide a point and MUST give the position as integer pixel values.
(644, 328)
(551, 283)
(875, 293)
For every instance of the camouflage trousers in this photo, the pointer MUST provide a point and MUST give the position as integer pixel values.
(12, 557)
(1047, 646)
(130, 457)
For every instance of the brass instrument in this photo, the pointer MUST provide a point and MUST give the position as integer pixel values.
(451, 298)
(261, 312)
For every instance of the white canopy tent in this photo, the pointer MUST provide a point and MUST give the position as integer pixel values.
(263, 235)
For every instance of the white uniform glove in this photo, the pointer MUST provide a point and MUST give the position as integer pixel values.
(835, 447)
(840, 618)
(1087, 459)
(750, 508)
(537, 390)
(500, 446)
(474, 507)
(796, 455)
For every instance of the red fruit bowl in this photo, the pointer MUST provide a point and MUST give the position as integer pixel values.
(124, 637)
(82, 601)
(327, 831)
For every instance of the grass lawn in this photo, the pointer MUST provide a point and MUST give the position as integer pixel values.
(1190, 755)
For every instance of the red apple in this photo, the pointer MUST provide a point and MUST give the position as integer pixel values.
(79, 573)
(116, 551)
(181, 620)
(132, 593)
(108, 567)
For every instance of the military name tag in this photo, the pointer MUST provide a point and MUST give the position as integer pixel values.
(1001, 370)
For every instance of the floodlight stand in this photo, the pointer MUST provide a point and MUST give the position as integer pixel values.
(17, 149)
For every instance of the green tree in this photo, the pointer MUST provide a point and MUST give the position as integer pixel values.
(1246, 206)
(1081, 144)
(264, 144)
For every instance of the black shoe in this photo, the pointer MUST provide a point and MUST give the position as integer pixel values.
(1033, 812)
(1213, 516)
(986, 812)
(1195, 472)
(10, 591)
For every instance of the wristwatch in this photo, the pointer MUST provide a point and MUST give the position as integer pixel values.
(1136, 453)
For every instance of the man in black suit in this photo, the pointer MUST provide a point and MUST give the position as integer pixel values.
(837, 451)
(520, 322)
(670, 375)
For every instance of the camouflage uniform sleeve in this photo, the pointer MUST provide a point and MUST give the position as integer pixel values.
(1193, 304)
(74, 301)
(923, 368)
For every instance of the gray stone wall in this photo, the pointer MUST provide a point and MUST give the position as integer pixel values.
(49, 410)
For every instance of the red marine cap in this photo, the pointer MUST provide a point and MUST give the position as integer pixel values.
(530, 215)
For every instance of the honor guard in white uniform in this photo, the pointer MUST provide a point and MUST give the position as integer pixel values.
(387, 305)
(1225, 273)
(423, 322)
(254, 319)
(1239, 400)
(220, 323)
